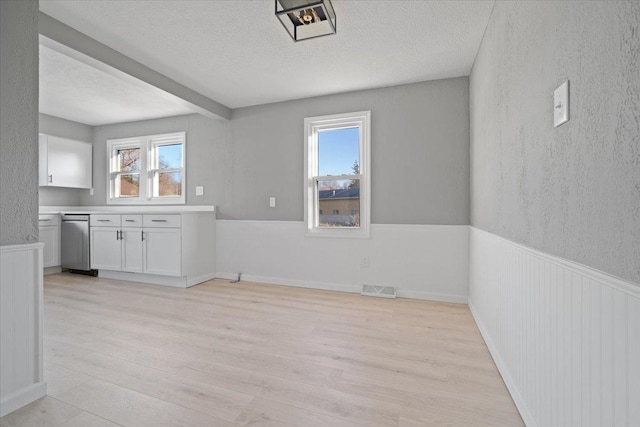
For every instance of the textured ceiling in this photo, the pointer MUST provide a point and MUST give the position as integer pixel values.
(238, 54)
(76, 91)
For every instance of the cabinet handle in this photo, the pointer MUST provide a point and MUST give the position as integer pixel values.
(44, 219)
(158, 220)
(142, 235)
(50, 179)
(117, 234)
(130, 220)
(103, 220)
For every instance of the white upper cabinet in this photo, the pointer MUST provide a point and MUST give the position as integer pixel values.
(65, 162)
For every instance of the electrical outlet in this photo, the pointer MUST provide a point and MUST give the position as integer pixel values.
(272, 202)
(364, 262)
(199, 190)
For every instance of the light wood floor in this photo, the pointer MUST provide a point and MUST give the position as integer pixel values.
(222, 354)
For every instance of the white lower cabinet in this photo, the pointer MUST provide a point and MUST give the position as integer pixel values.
(152, 248)
(49, 231)
(106, 248)
(132, 250)
(162, 251)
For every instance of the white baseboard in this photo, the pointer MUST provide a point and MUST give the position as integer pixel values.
(293, 283)
(22, 397)
(178, 282)
(459, 299)
(52, 270)
(432, 296)
(200, 279)
(525, 413)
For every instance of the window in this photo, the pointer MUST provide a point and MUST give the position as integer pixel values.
(337, 175)
(147, 169)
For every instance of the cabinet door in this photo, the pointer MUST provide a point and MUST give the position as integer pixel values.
(50, 236)
(106, 248)
(68, 163)
(162, 251)
(132, 249)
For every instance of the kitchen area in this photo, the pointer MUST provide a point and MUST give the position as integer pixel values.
(99, 221)
(167, 245)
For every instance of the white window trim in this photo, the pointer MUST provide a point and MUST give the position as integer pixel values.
(312, 125)
(147, 145)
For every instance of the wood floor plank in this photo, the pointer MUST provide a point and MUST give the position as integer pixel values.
(85, 419)
(45, 412)
(268, 413)
(223, 354)
(130, 408)
(208, 398)
(60, 379)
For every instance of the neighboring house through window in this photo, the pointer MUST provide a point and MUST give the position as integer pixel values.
(147, 169)
(337, 163)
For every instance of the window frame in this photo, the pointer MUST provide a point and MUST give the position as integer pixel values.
(312, 126)
(148, 169)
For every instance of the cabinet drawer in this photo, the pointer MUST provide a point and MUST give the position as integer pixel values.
(48, 219)
(132, 220)
(105, 220)
(161, 221)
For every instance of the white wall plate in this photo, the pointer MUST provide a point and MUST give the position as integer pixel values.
(561, 104)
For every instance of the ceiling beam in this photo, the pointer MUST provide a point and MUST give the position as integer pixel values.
(69, 41)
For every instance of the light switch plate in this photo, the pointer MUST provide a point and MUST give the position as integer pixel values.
(272, 202)
(561, 104)
(199, 190)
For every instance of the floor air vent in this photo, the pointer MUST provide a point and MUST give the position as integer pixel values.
(379, 291)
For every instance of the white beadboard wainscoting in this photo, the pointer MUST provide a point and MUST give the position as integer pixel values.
(422, 261)
(21, 325)
(566, 338)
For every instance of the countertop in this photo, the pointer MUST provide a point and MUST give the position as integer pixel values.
(88, 210)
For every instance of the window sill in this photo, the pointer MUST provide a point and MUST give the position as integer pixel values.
(143, 202)
(339, 233)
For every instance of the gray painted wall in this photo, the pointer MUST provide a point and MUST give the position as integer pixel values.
(56, 196)
(419, 154)
(572, 191)
(208, 156)
(18, 122)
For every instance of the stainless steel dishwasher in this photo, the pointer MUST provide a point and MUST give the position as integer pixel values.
(75, 244)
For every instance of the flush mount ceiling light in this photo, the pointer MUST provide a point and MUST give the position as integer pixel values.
(306, 19)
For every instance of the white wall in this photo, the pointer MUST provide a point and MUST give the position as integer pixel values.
(565, 337)
(21, 316)
(423, 261)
